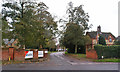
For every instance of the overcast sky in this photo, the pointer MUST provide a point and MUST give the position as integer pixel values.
(101, 12)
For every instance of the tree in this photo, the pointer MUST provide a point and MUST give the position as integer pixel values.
(31, 23)
(102, 40)
(117, 42)
(75, 27)
(88, 40)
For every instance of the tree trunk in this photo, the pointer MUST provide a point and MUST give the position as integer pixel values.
(75, 48)
(22, 8)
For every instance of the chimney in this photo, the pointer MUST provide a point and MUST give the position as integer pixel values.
(99, 29)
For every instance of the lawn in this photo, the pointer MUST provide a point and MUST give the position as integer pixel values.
(78, 56)
(107, 60)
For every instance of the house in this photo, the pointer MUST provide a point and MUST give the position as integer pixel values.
(11, 43)
(94, 35)
(118, 38)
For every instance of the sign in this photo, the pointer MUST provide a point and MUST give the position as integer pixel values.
(46, 51)
(28, 54)
(40, 53)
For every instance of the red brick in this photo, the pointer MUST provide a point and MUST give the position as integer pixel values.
(19, 54)
(5, 54)
(45, 54)
(11, 51)
(91, 54)
(35, 54)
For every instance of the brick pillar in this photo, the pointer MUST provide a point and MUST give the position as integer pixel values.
(11, 53)
(91, 54)
(35, 54)
(45, 53)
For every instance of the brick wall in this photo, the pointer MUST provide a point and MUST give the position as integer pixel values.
(0, 54)
(19, 54)
(5, 54)
(91, 54)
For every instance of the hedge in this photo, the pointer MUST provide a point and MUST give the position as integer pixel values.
(107, 51)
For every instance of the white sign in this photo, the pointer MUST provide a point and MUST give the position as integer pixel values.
(28, 54)
(40, 53)
(46, 51)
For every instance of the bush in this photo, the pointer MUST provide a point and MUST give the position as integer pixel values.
(108, 51)
(71, 50)
(102, 40)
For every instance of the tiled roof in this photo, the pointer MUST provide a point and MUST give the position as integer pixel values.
(104, 34)
(6, 41)
(92, 34)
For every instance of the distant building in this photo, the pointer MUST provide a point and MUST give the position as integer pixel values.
(118, 38)
(11, 43)
(94, 35)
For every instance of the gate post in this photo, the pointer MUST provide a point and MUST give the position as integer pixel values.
(11, 52)
(45, 53)
(35, 54)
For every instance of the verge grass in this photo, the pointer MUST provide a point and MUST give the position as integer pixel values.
(107, 60)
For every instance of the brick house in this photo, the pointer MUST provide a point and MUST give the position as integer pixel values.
(94, 35)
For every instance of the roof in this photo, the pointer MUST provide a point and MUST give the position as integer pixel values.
(104, 34)
(92, 34)
(6, 41)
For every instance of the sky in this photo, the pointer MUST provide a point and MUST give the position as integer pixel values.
(101, 12)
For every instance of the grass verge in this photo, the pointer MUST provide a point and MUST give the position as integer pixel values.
(78, 56)
(82, 57)
(11, 62)
(0, 62)
(26, 61)
(52, 52)
(107, 60)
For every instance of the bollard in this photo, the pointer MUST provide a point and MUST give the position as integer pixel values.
(9, 58)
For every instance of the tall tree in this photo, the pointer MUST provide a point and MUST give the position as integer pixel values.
(75, 27)
(31, 23)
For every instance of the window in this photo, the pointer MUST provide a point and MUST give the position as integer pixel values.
(15, 44)
(9, 44)
(110, 39)
(94, 42)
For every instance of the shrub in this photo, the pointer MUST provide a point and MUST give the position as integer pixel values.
(108, 51)
(102, 40)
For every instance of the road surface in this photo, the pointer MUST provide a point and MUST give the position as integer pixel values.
(58, 61)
